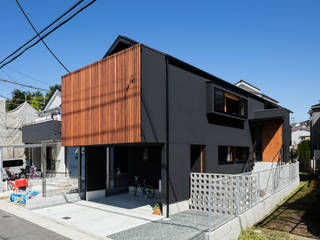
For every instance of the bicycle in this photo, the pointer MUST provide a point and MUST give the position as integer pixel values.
(146, 189)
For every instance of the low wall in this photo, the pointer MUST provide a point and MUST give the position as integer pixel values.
(176, 207)
(37, 203)
(232, 229)
(94, 195)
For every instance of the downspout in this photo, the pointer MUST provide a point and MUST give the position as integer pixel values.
(167, 137)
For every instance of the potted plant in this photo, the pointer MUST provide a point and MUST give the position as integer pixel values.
(157, 209)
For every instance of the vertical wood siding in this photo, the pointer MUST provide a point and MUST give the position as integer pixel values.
(271, 141)
(101, 102)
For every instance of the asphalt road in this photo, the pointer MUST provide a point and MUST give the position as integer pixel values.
(15, 228)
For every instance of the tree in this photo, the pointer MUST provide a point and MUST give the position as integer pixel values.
(36, 99)
(304, 151)
(34, 103)
(52, 88)
(18, 97)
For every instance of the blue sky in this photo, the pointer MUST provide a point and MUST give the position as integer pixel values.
(272, 44)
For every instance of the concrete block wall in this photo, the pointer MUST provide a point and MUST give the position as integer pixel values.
(232, 229)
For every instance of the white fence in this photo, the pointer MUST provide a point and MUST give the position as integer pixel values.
(231, 195)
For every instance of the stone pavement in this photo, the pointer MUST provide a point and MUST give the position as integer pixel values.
(15, 228)
(181, 226)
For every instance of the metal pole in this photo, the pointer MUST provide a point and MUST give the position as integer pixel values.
(44, 168)
(108, 171)
(209, 207)
(167, 140)
(1, 169)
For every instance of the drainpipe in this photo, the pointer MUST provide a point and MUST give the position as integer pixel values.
(167, 137)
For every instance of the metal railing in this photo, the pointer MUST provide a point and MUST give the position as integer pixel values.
(229, 195)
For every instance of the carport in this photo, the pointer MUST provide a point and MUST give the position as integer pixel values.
(111, 170)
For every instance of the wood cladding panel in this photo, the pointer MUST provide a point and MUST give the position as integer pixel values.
(271, 141)
(101, 102)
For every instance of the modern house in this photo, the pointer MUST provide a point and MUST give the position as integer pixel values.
(141, 112)
(299, 133)
(315, 134)
(46, 128)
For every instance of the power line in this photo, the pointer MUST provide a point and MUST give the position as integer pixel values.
(9, 76)
(42, 37)
(18, 104)
(26, 75)
(56, 20)
(23, 85)
(58, 60)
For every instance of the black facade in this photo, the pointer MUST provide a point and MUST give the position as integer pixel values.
(193, 120)
(315, 130)
(182, 115)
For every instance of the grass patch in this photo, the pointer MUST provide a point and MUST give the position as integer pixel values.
(297, 215)
(267, 234)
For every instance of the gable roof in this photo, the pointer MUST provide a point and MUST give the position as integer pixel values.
(123, 42)
(51, 97)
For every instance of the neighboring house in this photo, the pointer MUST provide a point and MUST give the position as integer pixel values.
(299, 134)
(11, 124)
(315, 134)
(141, 112)
(47, 129)
(252, 89)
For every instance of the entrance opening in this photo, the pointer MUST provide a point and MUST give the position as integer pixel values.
(130, 162)
(96, 168)
(267, 136)
(113, 170)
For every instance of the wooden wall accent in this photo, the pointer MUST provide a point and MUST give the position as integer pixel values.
(101, 102)
(271, 140)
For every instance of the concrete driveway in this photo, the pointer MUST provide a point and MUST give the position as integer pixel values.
(105, 216)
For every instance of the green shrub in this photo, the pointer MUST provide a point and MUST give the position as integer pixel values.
(304, 151)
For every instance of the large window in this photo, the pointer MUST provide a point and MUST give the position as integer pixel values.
(231, 154)
(228, 103)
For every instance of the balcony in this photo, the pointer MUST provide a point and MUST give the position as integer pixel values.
(42, 131)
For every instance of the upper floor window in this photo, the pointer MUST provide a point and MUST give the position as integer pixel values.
(231, 104)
